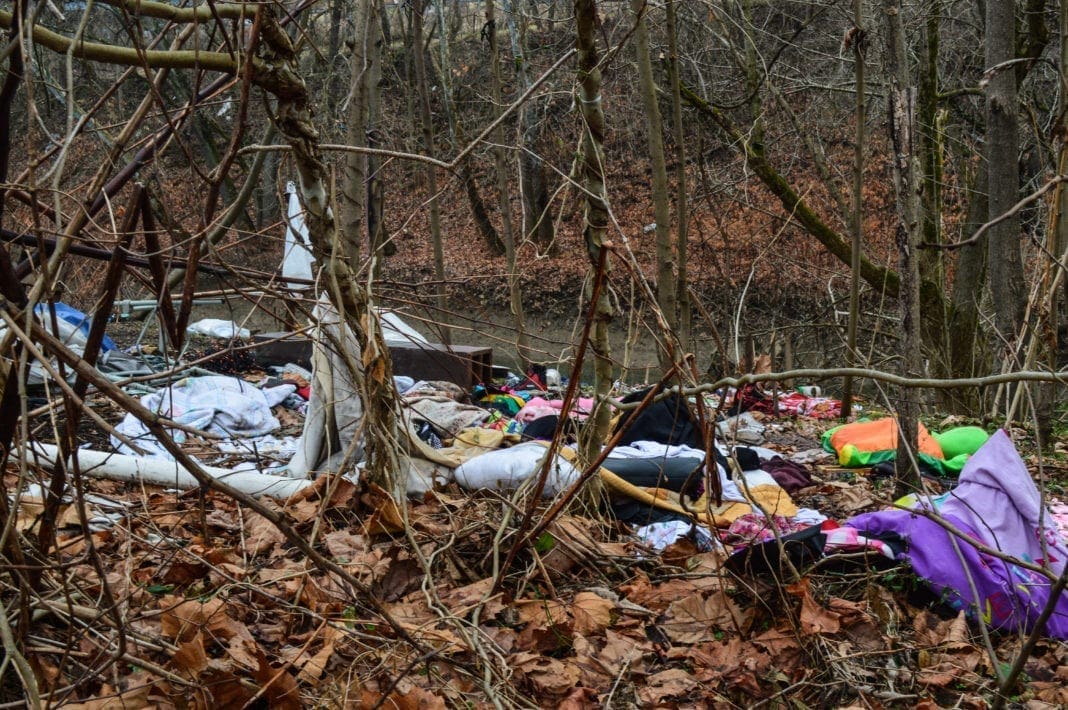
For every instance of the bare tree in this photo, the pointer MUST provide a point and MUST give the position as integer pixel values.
(908, 186)
(665, 247)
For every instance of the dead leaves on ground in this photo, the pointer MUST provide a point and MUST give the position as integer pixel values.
(234, 615)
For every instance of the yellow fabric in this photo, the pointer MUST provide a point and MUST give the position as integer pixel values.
(773, 499)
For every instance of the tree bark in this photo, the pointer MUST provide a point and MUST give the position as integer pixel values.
(352, 205)
(966, 357)
(537, 222)
(665, 249)
(857, 218)
(504, 203)
(682, 214)
(908, 187)
(591, 171)
(427, 123)
(1002, 159)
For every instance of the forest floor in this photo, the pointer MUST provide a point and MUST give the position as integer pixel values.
(220, 609)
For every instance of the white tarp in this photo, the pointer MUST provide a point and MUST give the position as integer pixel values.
(218, 404)
(298, 262)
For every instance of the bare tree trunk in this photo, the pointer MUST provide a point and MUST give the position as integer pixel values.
(352, 205)
(1002, 153)
(908, 187)
(537, 222)
(966, 356)
(373, 370)
(591, 171)
(665, 249)
(467, 175)
(375, 197)
(504, 203)
(1057, 240)
(682, 214)
(387, 33)
(930, 143)
(426, 119)
(859, 46)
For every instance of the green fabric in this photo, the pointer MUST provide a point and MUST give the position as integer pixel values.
(964, 440)
(826, 440)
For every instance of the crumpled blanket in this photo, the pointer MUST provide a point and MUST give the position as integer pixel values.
(218, 404)
(447, 416)
(995, 503)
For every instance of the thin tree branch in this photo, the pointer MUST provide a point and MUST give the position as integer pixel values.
(1012, 212)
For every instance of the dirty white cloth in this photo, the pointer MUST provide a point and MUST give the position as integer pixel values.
(218, 328)
(744, 428)
(297, 261)
(269, 446)
(335, 409)
(659, 535)
(507, 469)
(218, 404)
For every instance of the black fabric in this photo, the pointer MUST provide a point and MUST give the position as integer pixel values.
(748, 459)
(801, 548)
(667, 421)
(668, 473)
(543, 429)
(887, 469)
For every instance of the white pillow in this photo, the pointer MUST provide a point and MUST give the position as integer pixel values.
(507, 469)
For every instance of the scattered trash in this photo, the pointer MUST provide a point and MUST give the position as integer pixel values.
(217, 328)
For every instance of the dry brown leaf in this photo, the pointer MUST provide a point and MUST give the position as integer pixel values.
(185, 619)
(137, 696)
(855, 498)
(541, 613)
(401, 577)
(957, 635)
(778, 642)
(415, 698)
(545, 674)
(277, 685)
(312, 669)
(385, 516)
(622, 651)
(591, 613)
(1055, 692)
(580, 699)
(814, 618)
(190, 658)
(461, 599)
(696, 618)
(344, 546)
(672, 684)
(261, 535)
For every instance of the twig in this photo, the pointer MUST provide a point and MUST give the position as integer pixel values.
(1029, 645)
(1060, 376)
(1012, 211)
(22, 667)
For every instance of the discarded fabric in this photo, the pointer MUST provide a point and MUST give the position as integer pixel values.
(997, 505)
(220, 405)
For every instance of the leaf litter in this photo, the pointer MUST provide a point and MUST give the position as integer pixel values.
(215, 607)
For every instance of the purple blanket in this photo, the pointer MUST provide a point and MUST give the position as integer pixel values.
(996, 503)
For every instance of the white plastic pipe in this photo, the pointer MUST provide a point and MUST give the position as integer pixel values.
(170, 474)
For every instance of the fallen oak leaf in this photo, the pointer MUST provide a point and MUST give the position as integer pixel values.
(591, 613)
(545, 674)
(696, 618)
(815, 619)
(672, 684)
